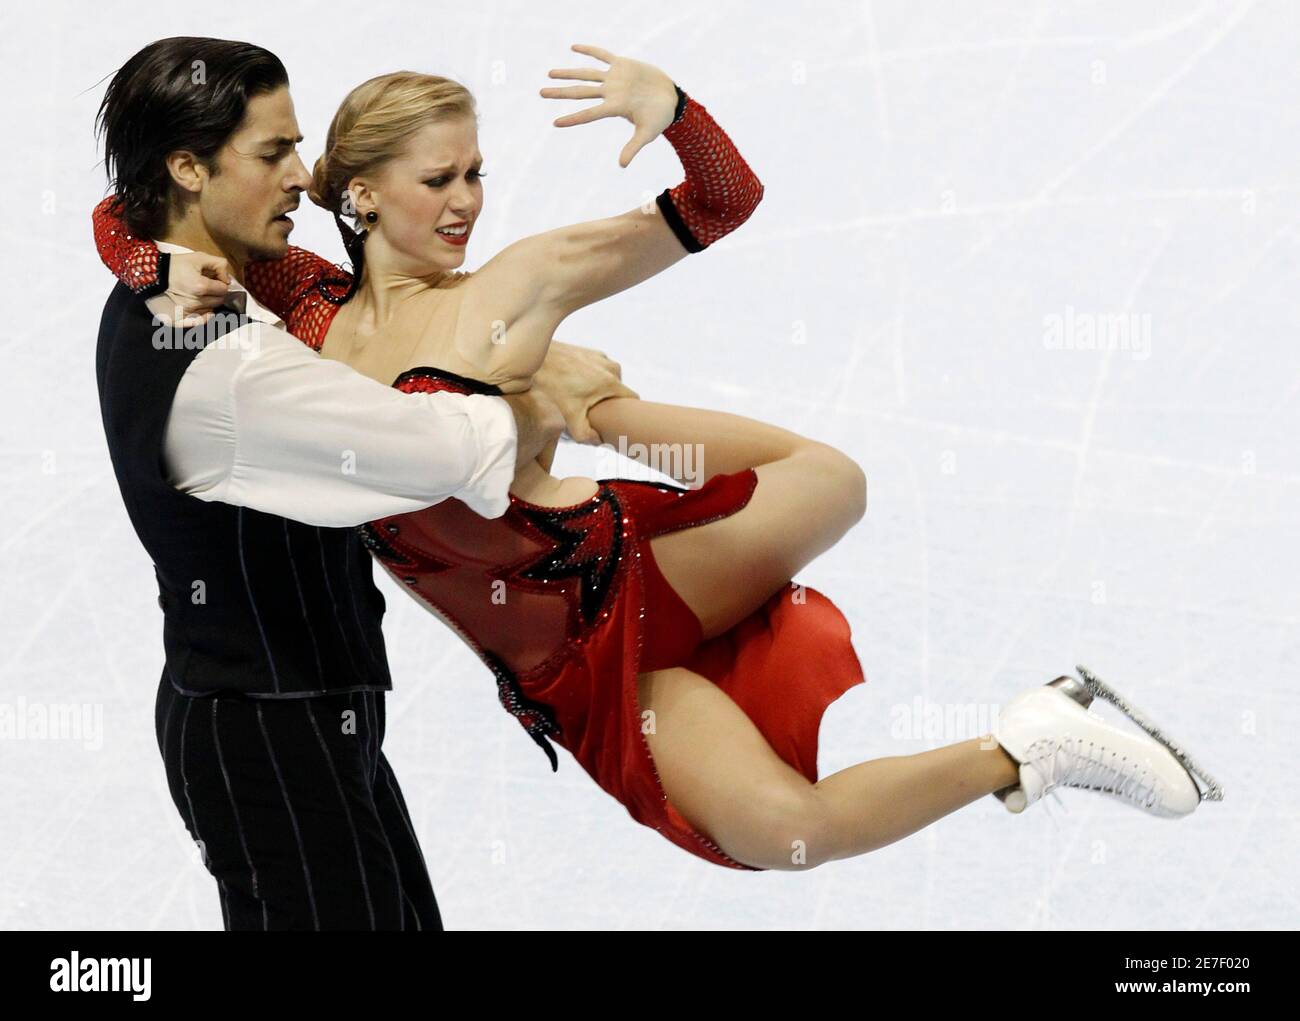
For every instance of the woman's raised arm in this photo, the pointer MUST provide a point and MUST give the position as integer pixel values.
(544, 278)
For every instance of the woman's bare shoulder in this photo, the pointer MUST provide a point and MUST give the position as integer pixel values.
(456, 278)
(512, 279)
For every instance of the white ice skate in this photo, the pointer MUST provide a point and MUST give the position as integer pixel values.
(1059, 743)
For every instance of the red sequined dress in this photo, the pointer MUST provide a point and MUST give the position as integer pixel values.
(566, 605)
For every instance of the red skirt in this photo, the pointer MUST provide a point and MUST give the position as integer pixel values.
(782, 665)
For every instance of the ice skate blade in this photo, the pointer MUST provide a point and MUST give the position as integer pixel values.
(1210, 789)
(1073, 687)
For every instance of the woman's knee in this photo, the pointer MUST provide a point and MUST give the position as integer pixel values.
(842, 476)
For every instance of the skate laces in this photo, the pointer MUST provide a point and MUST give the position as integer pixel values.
(1084, 764)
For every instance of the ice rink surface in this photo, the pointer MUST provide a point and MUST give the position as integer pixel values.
(1034, 266)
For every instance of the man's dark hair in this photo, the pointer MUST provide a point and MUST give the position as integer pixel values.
(186, 92)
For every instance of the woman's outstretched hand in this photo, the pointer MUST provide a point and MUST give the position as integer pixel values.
(630, 88)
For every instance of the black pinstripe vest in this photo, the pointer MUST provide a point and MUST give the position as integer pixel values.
(251, 602)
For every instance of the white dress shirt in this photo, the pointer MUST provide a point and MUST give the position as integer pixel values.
(261, 420)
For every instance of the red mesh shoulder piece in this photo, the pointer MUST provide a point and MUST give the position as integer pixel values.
(299, 289)
(720, 191)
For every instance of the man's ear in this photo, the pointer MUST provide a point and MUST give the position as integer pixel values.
(187, 173)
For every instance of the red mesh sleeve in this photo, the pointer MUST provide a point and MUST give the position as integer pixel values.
(135, 261)
(720, 191)
(293, 287)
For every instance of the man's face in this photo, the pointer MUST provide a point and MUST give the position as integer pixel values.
(261, 176)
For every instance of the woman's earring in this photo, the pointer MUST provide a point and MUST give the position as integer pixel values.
(371, 216)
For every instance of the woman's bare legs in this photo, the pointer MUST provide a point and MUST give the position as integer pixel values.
(716, 767)
(721, 774)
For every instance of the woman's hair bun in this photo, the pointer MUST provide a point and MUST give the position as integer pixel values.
(319, 188)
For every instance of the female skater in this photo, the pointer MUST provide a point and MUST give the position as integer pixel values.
(652, 630)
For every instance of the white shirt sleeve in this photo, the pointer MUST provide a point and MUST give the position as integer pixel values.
(261, 420)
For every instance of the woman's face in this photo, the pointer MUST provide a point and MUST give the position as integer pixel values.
(433, 186)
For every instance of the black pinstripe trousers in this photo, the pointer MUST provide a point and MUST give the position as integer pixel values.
(295, 809)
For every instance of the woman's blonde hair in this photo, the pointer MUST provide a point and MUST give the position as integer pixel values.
(373, 125)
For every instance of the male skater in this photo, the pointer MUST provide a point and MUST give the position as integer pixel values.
(245, 460)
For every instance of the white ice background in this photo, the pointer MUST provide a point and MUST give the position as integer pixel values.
(944, 181)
